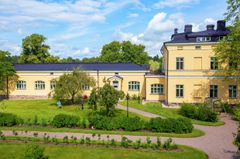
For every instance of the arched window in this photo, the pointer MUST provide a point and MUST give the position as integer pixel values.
(133, 86)
(39, 85)
(21, 85)
(156, 89)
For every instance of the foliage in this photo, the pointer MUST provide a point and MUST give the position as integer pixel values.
(34, 50)
(236, 113)
(8, 75)
(155, 66)
(233, 10)
(201, 112)
(8, 119)
(63, 120)
(108, 98)
(115, 123)
(180, 126)
(66, 90)
(124, 52)
(34, 152)
(93, 99)
(228, 51)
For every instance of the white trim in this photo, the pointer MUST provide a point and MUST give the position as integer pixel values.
(206, 77)
(154, 76)
(193, 43)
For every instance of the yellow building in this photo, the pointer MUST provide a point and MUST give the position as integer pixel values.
(191, 72)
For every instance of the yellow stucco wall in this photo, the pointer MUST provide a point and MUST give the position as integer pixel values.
(155, 80)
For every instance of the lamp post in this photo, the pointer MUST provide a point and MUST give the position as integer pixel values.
(127, 97)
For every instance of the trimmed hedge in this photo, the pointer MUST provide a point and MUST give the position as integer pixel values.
(116, 123)
(8, 119)
(64, 120)
(179, 126)
(200, 112)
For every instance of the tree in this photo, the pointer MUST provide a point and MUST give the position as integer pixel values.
(108, 98)
(228, 50)
(124, 52)
(34, 152)
(93, 99)
(34, 50)
(233, 10)
(71, 85)
(8, 75)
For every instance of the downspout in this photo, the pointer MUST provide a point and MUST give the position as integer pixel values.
(98, 78)
(166, 72)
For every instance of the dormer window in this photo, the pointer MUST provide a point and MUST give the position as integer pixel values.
(203, 39)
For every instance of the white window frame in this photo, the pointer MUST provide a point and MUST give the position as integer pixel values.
(52, 85)
(213, 91)
(203, 39)
(39, 85)
(21, 85)
(86, 87)
(179, 63)
(214, 63)
(179, 91)
(133, 86)
(233, 90)
(157, 89)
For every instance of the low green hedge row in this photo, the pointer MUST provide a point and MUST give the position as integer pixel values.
(8, 119)
(198, 112)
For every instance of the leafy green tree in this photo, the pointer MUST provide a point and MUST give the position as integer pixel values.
(233, 10)
(124, 52)
(34, 152)
(93, 99)
(69, 86)
(8, 75)
(34, 50)
(108, 98)
(228, 51)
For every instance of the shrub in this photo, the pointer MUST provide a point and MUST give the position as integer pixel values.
(63, 120)
(134, 97)
(8, 119)
(34, 152)
(188, 110)
(131, 123)
(179, 126)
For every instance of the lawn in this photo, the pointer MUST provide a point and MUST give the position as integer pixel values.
(156, 108)
(47, 109)
(16, 151)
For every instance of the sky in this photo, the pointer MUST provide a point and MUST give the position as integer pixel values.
(79, 28)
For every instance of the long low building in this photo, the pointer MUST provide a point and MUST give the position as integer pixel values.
(191, 72)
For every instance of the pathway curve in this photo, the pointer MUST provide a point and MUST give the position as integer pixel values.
(217, 143)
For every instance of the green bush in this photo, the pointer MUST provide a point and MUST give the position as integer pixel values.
(180, 125)
(188, 110)
(8, 119)
(115, 123)
(34, 152)
(236, 113)
(63, 120)
(201, 112)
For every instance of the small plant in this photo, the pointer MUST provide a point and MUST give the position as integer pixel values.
(113, 142)
(148, 139)
(82, 140)
(99, 136)
(137, 144)
(65, 139)
(167, 144)
(34, 152)
(158, 142)
(55, 140)
(88, 140)
(93, 135)
(125, 142)
(35, 120)
(46, 138)
(43, 122)
(35, 134)
(2, 137)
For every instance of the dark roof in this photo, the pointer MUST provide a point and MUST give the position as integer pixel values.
(84, 66)
(190, 37)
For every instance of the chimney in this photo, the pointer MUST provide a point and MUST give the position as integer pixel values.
(188, 28)
(210, 27)
(175, 30)
(221, 25)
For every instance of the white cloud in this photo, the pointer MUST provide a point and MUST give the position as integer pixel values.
(173, 3)
(159, 29)
(133, 15)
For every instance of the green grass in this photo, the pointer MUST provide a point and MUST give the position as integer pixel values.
(156, 108)
(16, 151)
(47, 109)
(195, 132)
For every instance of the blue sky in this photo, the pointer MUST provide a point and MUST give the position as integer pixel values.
(79, 28)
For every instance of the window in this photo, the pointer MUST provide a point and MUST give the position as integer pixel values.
(39, 85)
(85, 87)
(179, 91)
(214, 63)
(115, 84)
(179, 63)
(116, 73)
(51, 73)
(52, 85)
(203, 39)
(21, 85)
(133, 86)
(156, 89)
(232, 91)
(213, 91)
(198, 47)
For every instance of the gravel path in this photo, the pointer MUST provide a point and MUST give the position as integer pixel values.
(217, 143)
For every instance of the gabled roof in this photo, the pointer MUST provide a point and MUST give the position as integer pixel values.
(84, 66)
